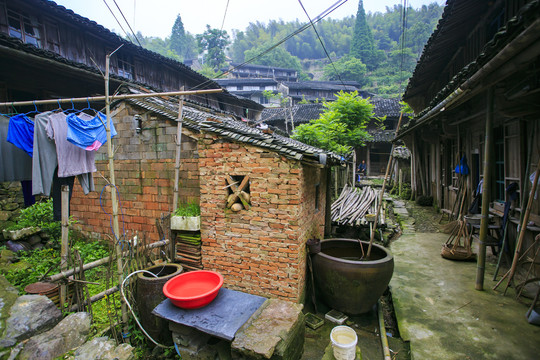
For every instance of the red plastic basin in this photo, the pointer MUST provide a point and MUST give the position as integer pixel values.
(193, 290)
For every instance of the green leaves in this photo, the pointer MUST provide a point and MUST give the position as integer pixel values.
(341, 127)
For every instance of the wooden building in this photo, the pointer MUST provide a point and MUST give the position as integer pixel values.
(478, 82)
(48, 51)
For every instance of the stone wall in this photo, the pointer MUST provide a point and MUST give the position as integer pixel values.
(11, 203)
(261, 250)
(144, 176)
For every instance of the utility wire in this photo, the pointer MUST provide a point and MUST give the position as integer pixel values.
(121, 13)
(115, 18)
(322, 44)
(403, 32)
(318, 18)
(224, 15)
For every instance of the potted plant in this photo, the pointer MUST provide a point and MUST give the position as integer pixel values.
(186, 217)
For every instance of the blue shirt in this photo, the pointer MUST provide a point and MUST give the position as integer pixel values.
(88, 134)
(21, 133)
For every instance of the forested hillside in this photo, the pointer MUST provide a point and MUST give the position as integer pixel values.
(383, 69)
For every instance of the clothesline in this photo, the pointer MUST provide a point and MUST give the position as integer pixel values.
(111, 97)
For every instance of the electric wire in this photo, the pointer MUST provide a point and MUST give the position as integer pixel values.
(403, 32)
(322, 44)
(115, 18)
(224, 15)
(318, 18)
(132, 32)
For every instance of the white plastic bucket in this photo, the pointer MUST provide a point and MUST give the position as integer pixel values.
(344, 341)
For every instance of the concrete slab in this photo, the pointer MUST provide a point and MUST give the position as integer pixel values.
(442, 315)
(221, 318)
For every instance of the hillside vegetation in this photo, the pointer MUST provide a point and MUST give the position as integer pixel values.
(381, 62)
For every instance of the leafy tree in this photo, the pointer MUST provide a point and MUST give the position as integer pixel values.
(347, 67)
(178, 37)
(362, 41)
(208, 71)
(278, 57)
(341, 126)
(214, 41)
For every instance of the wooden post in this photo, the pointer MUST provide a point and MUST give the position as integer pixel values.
(400, 179)
(65, 241)
(178, 150)
(114, 200)
(486, 192)
(523, 227)
(328, 210)
(372, 237)
(172, 245)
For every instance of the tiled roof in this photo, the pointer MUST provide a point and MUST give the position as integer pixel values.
(198, 118)
(323, 85)
(303, 113)
(381, 135)
(246, 81)
(505, 35)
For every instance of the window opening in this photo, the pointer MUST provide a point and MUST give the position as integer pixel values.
(125, 67)
(238, 192)
(25, 27)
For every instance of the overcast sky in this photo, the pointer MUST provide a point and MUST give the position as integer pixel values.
(156, 17)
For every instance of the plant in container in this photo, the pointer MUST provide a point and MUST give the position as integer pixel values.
(186, 217)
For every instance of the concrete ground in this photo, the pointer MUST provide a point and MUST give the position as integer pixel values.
(441, 314)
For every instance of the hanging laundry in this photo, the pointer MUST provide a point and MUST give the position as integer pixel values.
(15, 164)
(88, 134)
(21, 132)
(44, 161)
(72, 160)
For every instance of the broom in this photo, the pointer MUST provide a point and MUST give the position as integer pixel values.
(452, 225)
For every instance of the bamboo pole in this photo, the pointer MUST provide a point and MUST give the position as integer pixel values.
(93, 264)
(65, 241)
(96, 297)
(114, 200)
(486, 192)
(523, 227)
(110, 97)
(178, 150)
(372, 236)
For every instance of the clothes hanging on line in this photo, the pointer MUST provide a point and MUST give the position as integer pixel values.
(89, 134)
(55, 156)
(57, 184)
(21, 132)
(15, 164)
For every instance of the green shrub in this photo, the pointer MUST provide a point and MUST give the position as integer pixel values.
(41, 215)
(191, 209)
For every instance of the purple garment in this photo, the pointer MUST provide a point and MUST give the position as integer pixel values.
(72, 160)
(21, 133)
(88, 134)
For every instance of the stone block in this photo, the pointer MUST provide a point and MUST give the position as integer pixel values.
(276, 332)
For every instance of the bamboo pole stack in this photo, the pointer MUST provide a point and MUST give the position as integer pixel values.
(353, 204)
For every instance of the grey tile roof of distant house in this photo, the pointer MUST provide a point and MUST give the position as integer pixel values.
(303, 113)
(323, 85)
(246, 81)
(198, 118)
(261, 67)
(382, 135)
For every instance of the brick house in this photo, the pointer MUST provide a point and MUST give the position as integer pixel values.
(260, 250)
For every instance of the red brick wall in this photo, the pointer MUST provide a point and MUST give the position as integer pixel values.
(261, 250)
(144, 174)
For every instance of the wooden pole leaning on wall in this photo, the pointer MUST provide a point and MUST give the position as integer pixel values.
(486, 192)
(379, 205)
(172, 245)
(522, 230)
(114, 200)
(64, 250)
